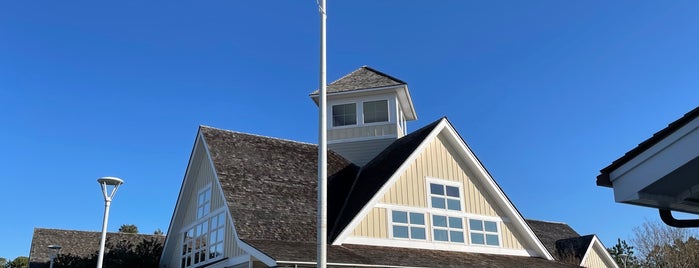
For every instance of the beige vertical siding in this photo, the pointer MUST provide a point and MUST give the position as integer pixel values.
(438, 161)
(594, 260)
(509, 239)
(373, 225)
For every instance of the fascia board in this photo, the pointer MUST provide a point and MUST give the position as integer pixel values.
(500, 198)
(656, 162)
(396, 175)
(199, 138)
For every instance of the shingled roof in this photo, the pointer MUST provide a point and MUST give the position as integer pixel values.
(77, 243)
(363, 78)
(564, 243)
(270, 184)
(394, 256)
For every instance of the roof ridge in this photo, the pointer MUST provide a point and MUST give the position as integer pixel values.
(257, 135)
(556, 222)
(382, 74)
(85, 231)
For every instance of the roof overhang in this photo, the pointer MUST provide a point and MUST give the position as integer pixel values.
(404, 99)
(663, 172)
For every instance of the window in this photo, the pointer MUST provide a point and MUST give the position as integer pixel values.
(203, 202)
(375, 111)
(445, 196)
(448, 229)
(344, 114)
(204, 241)
(484, 232)
(408, 225)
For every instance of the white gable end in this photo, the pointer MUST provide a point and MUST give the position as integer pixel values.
(443, 198)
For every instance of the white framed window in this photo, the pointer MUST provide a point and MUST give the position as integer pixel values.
(203, 242)
(344, 114)
(375, 111)
(408, 225)
(204, 202)
(483, 232)
(447, 229)
(445, 195)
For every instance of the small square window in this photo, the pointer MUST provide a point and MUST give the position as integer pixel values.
(410, 225)
(400, 231)
(484, 232)
(445, 197)
(375, 111)
(344, 114)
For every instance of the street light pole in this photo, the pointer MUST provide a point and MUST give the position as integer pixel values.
(53, 252)
(104, 182)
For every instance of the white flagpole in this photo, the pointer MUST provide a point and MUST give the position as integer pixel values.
(322, 149)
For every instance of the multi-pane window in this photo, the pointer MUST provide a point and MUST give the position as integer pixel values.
(445, 196)
(375, 111)
(344, 114)
(204, 241)
(203, 203)
(448, 229)
(484, 232)
(408, 225)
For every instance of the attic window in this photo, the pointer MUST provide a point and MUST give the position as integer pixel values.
(203, 202)
(344, 114)
(375, 111)
(445, 196)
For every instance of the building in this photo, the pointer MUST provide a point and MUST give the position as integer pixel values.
(85, 244)
(395, 199)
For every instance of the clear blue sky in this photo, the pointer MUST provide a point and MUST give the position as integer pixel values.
(545, 92)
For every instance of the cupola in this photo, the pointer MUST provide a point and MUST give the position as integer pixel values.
(367, 111)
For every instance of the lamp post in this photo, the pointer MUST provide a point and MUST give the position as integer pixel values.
(104, 182)
(53, 252)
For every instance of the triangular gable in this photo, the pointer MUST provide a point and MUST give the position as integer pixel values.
(498, 205)
(597, 255)
(201, 175)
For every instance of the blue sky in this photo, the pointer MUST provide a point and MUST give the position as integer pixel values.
(545, 92)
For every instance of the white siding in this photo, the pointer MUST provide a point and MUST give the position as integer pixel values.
(200, 175)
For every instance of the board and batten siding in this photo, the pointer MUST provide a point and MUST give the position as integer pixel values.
(437, 161)
(200, 176)
(594, 260)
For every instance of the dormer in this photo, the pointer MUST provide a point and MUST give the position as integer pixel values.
(367, 111)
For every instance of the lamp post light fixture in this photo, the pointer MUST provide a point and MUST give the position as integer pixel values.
(106, 182)
(53, 252)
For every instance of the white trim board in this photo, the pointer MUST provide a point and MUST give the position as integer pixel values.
(480, 174)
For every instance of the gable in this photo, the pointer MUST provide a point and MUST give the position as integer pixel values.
(597, 256)
(209, 216)
(443, 160)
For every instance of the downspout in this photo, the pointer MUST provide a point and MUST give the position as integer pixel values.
(666, 216)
